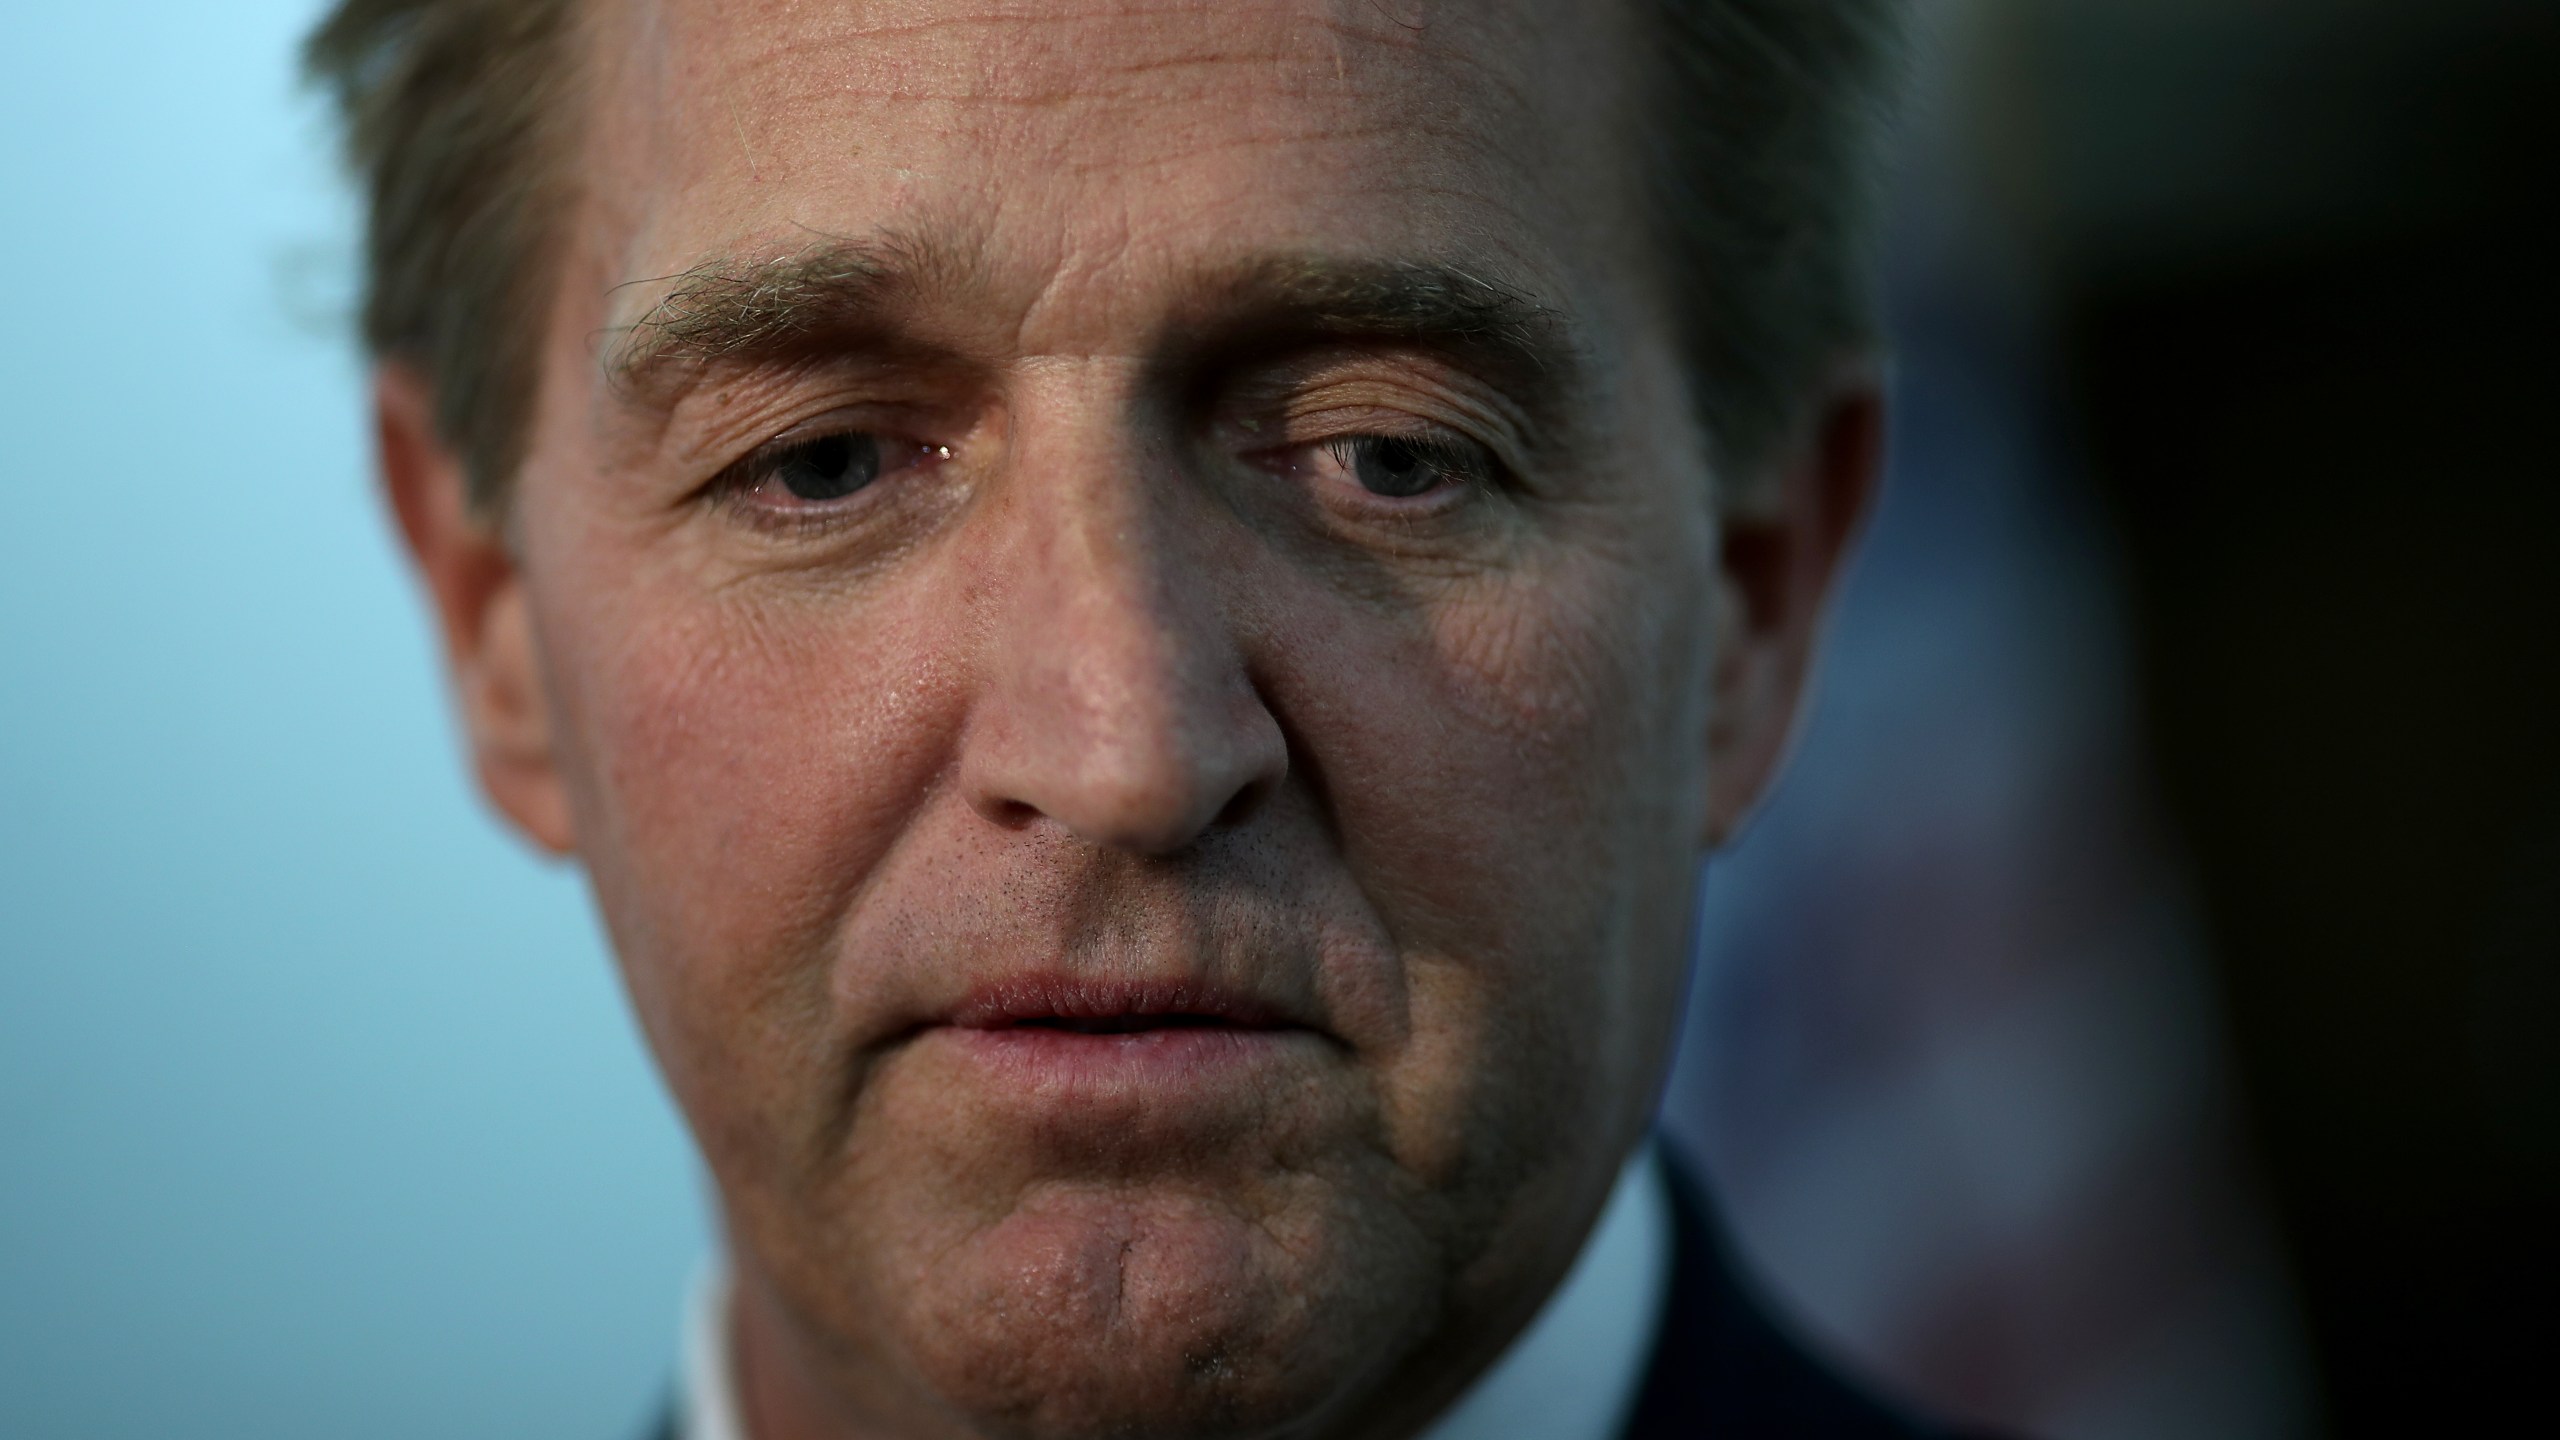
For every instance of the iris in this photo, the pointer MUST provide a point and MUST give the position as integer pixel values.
(1395, 468)
(829, 467)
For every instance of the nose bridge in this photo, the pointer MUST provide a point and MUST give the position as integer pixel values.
(1117, 702)
(1114, 614)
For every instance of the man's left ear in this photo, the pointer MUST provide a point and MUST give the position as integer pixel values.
(481, 611)
(1784, 538)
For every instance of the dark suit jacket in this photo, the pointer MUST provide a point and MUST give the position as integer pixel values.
(1721, 1369)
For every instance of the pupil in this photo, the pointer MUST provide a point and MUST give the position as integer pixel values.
(1393, 468)
(831, 467)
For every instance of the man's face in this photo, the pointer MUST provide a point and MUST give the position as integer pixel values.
(1116, 599)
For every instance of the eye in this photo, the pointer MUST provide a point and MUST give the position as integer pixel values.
(1399, 467)
(816, 471)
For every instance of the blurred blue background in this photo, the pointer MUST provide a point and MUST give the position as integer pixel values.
(322, 1114)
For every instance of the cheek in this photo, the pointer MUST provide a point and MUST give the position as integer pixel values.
(1512, 767)
(738, 765)
(726, 736)
(1534, 726)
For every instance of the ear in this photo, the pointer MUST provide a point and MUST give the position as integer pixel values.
(1780, 558)
(480, 608)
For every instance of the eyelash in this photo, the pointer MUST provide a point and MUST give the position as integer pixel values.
(879, 453)
(1464, 462)
(1347, 472)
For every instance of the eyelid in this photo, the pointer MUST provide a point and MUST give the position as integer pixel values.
(1450, 451)
(718, 426)
(757, 462)
(1352, 407)
(1481, 463)
(1430, 391)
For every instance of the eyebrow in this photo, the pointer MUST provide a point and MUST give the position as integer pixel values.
(1528, 348)
(727, 309)
(787, 306)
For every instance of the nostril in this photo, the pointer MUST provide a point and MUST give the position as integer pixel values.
(1010, 814)
(1241, 805)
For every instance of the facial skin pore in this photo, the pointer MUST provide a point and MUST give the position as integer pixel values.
(1177, 518)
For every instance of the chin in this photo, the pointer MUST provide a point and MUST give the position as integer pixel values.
(1105, 1311)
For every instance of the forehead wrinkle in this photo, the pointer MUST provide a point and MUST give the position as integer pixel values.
(1458, 139)
(752, 84)
(1052, 57)
(766, 303)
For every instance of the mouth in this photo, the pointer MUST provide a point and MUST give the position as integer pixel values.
(1124, 1024)
(1069, 1005)
(1163, 1039)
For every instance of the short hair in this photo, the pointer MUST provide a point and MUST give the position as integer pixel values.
(1762, 168)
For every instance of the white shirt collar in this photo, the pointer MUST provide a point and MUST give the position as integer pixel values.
(1572, 1375)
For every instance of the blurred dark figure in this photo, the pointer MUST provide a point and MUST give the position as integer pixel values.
(1954, 1056)
(2136, 1015)
(2302, 261)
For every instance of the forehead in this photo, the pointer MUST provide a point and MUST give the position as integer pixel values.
(1108, 141)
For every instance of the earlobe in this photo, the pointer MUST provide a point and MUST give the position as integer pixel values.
(1779, 562)
(482, 617)
(1746, 726)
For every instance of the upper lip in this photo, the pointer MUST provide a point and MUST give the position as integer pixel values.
(1108, 1006)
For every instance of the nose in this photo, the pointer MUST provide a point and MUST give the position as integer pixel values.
(1117, 704)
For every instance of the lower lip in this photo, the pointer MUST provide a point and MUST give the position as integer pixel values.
(1187, 1057)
